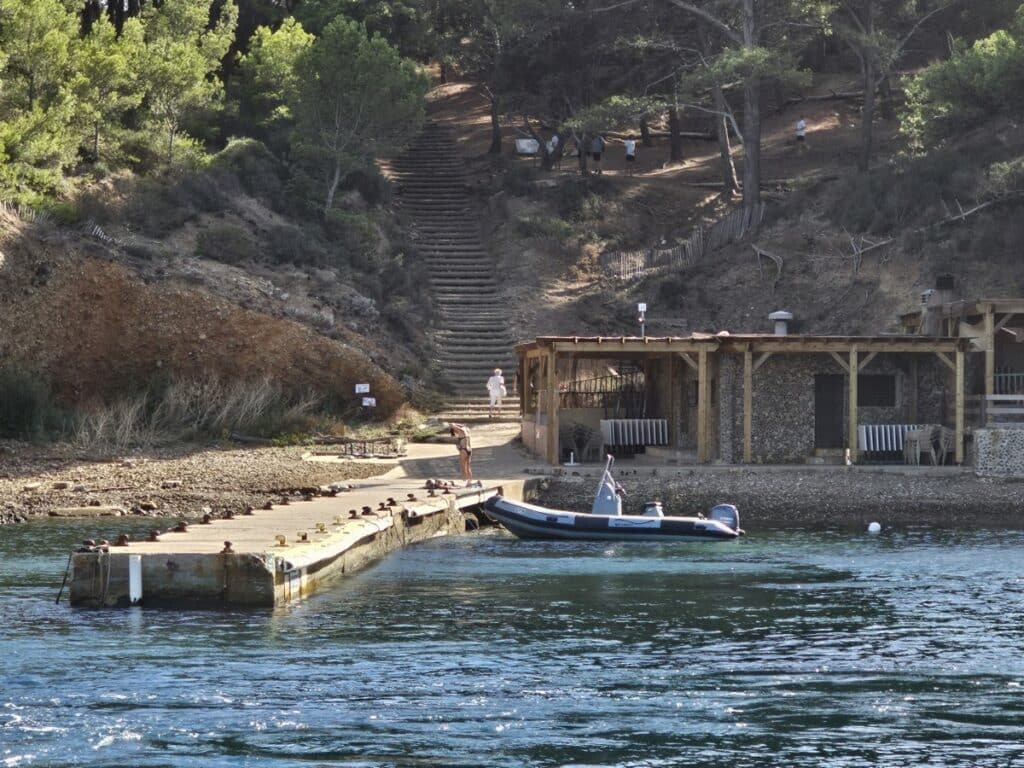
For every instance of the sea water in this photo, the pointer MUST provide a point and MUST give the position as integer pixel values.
(787, 648)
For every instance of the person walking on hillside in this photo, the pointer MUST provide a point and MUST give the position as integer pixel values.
(801, 134)
(630, 145)
(461, 434)
(596, 150)
(496, 391)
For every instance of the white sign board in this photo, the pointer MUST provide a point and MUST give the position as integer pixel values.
(641, 307)
(369, 402)
(362, 389)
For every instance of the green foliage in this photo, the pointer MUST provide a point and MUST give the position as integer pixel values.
(1006, 177)
(226, 242)
(357, 99)
(977, 83)
(27, 407)
(106, 83)
(182, 53)
(268, 76)
(545, 227)
(260, 173)
(354, 235)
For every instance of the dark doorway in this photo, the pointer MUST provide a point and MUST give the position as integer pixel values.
(828, 411)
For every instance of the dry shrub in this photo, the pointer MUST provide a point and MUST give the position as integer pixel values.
(190, 408)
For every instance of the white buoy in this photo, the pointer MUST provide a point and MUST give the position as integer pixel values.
(874, 528)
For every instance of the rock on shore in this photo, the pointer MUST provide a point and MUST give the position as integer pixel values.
(810, 498)
(183, 482)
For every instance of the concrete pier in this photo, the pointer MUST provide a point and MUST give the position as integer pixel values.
(284, 553)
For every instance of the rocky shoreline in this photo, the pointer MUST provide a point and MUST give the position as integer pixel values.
(837, 497)
(184, 482)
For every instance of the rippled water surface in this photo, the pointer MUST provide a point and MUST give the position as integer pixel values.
(788, 648)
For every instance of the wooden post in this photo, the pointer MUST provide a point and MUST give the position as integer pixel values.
(553, 407)
(959, 406)
(990, 351)
(912, 394)
(702, 406)
(852, 428)
(674, 400)
(748, 405)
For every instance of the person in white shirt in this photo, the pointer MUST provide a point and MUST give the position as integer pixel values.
(630, 144)
(801, 134)
(496, 391)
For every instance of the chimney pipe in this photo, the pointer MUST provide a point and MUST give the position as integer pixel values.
(781, 320)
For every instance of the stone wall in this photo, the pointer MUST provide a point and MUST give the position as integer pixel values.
(782, 429)
(999, 451)
(811, 497)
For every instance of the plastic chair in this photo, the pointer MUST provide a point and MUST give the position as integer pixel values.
(912, 442)
(947, 440)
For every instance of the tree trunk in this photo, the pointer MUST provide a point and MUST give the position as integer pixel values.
(751, 119)
(675, 139)
(495, 148)
(443, 72)
(752, 144)
(730, 183)
(868, 114)
(91, 11)
(581, 147)
(645, 133)
(96, 142)
(170, 147)
(886, 107)
(333, 186)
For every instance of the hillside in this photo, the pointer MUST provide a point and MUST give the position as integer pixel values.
(551, 228)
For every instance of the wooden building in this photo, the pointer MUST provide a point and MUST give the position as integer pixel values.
(732, 398)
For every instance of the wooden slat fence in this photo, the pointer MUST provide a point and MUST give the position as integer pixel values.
(630, 265)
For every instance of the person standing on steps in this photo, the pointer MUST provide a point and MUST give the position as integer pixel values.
(462, 442)
(495, 390)
(596, 150)
(630, 145)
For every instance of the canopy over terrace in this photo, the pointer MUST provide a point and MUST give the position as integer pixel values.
(546, 365)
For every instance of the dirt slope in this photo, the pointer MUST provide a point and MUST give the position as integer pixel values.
(96, 328)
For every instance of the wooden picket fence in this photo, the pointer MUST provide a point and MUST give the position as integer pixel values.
(630, 265)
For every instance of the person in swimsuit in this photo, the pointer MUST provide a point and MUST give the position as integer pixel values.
(462, 442)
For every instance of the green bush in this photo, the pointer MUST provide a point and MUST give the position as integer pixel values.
(545, 227)
(974, 85)
(355, 235)
(1007, 177)
(227, 243)
(257, 170)
(288, 244)
(27, 407)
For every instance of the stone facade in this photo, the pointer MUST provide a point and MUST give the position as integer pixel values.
(783, 422)
(999, 451)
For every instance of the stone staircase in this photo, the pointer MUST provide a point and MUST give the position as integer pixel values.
(471, 331)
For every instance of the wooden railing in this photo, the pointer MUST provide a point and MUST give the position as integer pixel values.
(991, 410)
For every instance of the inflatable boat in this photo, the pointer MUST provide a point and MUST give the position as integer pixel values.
(605, 521)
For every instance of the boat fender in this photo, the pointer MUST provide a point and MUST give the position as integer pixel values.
(472, 523)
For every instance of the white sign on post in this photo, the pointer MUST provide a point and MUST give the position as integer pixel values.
(369, 402)
(641, 307)
(362, 389)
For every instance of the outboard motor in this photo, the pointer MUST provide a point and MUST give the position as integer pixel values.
(608, 500)
(728, 515)
(653, 509)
